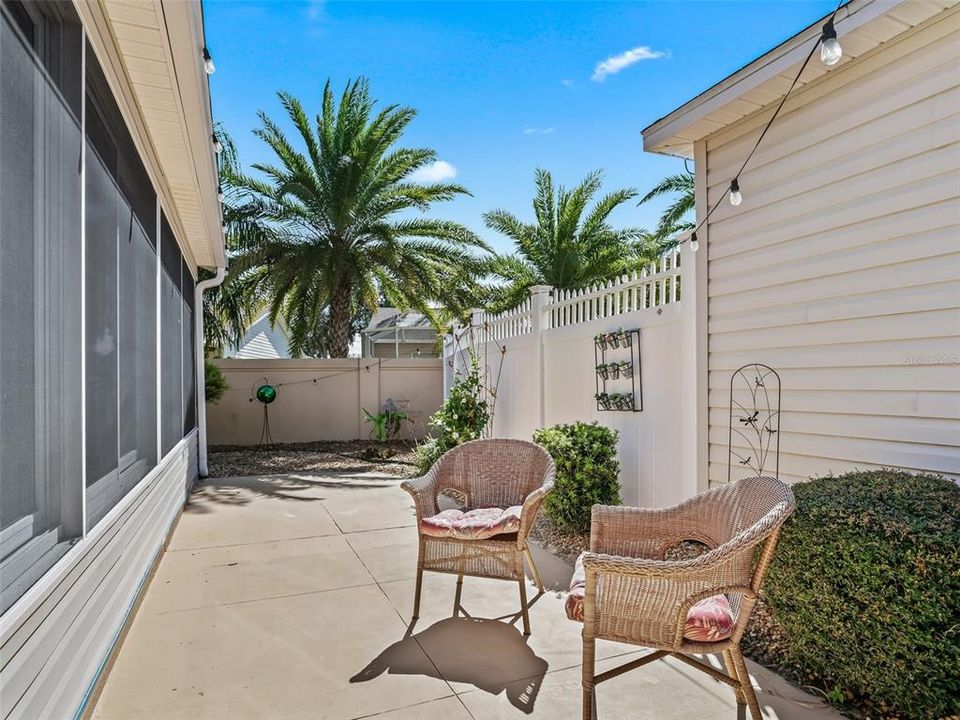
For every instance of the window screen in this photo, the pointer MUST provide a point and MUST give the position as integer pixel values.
(171, 338)
(40, 344)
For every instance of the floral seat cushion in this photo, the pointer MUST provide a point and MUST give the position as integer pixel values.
(709, 620)
(477, 524)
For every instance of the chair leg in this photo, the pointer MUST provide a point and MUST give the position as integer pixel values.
(456, 600)
(523, 604)
(533, 569)
(732, 672)
(746, 686)
(589, 691)
(416, 593)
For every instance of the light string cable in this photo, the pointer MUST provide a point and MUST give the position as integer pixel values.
(734, 190)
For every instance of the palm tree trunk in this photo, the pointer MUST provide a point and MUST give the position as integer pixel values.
(340, 322)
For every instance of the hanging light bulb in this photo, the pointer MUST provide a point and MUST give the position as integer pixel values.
(224, 228)
(217, 145)
(220, 193)
(208, 65)
(735, 197)
(830, 50)
(694, 243)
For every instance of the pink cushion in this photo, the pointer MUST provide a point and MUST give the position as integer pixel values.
(709, 620)
(477, 524)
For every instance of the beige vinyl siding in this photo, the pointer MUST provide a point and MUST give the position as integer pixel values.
(841, 269)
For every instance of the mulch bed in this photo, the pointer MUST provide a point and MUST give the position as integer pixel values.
(394, 457)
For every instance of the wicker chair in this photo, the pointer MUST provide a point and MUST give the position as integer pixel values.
(483, 474)
(634, 595)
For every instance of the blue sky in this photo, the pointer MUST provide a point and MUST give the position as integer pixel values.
(501, 88)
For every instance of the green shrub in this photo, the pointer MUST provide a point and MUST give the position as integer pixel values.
(463, 416)
(215, 383)
(588, 472)
(866, 585)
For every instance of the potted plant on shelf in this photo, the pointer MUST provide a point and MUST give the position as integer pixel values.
(603, 399)
(626, 368)
(613, 339)
(603, 370)
(601, 340)
(623, 338)
(614, 370)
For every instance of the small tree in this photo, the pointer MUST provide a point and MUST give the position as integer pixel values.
(215, 382)
(463, 416)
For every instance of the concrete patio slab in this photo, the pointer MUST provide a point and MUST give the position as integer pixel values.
(190, 579)
(290, 597)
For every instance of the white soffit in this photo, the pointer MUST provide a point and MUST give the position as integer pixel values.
(160, 43)
(862, 25)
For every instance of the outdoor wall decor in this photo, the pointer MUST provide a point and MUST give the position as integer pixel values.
(756, 420)
(616, 359)
(265, 393)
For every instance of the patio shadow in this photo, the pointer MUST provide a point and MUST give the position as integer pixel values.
(490, 655)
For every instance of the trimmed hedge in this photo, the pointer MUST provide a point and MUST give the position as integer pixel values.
(866, 585)
(588, 472)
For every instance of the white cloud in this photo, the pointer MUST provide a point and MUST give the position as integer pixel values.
(615, 63)
(437, 171)
(567, 83)
(537, 131)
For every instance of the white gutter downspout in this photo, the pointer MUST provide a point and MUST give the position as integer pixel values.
(201, 373)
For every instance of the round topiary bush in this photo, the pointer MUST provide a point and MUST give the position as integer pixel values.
(866, 585)
(588, 472)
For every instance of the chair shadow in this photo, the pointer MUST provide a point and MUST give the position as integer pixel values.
(492, 656)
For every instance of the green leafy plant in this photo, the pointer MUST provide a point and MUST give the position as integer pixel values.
(866, 586)
(463, 416)
(385, 424)
(215, 382)
(588, 472)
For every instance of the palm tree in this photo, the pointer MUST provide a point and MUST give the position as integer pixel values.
(672, 221)
(331, 226)
(564, 247)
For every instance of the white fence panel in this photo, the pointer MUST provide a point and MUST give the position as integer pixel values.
(539, 357)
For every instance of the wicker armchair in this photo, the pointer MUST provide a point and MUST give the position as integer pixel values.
(490, 473)
(634, 595)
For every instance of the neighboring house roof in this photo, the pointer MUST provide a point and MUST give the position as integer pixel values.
(262, 342)
(413, 326)
(861, 26)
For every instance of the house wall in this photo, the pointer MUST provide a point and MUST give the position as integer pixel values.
(66, 626)
(841, 269)
(330, 408)
(65, 618)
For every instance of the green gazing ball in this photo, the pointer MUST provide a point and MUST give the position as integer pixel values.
(266, 394)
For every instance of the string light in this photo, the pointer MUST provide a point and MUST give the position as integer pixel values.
(735, 196)
(220, 193)
(830, 54)
(217, 145)
(208, 65)
(830, 50)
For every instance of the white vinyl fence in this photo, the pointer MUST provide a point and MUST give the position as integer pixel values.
(540, 359)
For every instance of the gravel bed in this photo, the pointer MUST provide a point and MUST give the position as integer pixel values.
(361, 456)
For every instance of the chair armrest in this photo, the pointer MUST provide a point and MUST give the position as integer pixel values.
(423, 490)
(645, 601)
(531, 507)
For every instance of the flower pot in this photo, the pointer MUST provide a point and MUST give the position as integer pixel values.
(615, 371)
(613, 340)
(603, 372)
